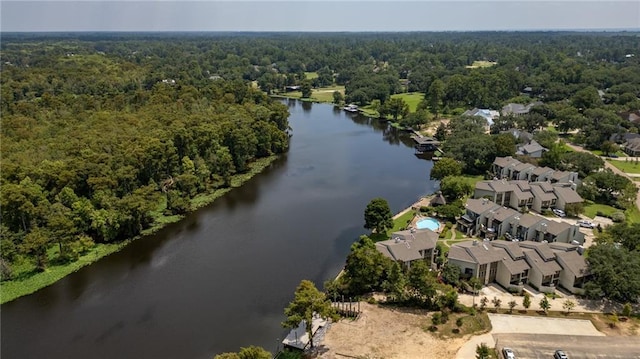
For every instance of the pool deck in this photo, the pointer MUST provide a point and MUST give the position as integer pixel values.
(422, 202)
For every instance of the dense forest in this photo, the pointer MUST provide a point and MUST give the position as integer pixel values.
(103, 132)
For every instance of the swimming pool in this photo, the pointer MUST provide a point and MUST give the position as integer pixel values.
(428, 223)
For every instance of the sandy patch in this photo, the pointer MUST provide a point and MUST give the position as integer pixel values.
(382, 332)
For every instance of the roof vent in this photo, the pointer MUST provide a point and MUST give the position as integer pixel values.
(485, 247)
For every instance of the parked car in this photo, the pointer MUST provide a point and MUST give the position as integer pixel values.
(559, 212)
(508, 353)
(586, 224)
(559, 354)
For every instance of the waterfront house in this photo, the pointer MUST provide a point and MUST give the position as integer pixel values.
(410, 245)
(488, 115)
(514, 264)
(475, 212)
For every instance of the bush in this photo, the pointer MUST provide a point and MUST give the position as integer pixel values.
(444, 317)
(436, 318)
(618, 217)
(459, 322)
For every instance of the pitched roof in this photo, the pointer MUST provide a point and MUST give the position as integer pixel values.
(512, 248)
(556, 228)
(568, 195)
(564, 247)
(523, 166)
(557, 175)
(527, 220)
(531, 147)
(406, 245)
(539, 192)
(573, 262)
(633, 144)
(438, 199)
(515, 266)
(541, 170)
(505, 161)
(534, 259)
(542, 249)
(503, 213)
(480, 205)
(459, 253)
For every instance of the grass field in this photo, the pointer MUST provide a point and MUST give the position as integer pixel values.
(624, 166)
(321, 94)
(600, 153)
(412, 99)
(591, 209)
(481, 64)
(311, 75)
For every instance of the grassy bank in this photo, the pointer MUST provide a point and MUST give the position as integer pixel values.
(27, 280)
(320, 94)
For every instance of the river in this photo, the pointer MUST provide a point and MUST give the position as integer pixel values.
(219, 279)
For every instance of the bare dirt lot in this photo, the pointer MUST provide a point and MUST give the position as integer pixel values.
(382, 332)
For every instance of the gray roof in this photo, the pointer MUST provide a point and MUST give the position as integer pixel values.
(573, 262)
(527, 220)
(541, 170)
(541, 194)
(633, 144)
(515, 266)
(484, 185)
(522, 195)
(405, 246)
(523, 166)
(556, 228)
(512, 248)
(481, 253)
(522, 184)
(560, 174)
(459, 253)
(534, 259)
(438, 199)
(564, 247)
(531, 147)
(503, 213)
(505, 161)
(568, 195)
(542, 249)
(480, 205)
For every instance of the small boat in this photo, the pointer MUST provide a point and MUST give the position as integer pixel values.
(351, 108)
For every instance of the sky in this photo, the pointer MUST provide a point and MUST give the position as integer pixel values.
(317, 15)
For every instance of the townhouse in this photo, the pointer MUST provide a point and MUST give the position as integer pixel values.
(544, 266)
(410, 245)
(487, 219)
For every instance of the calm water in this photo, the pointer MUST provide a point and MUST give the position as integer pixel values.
(220, 279)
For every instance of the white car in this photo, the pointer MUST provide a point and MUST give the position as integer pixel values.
(586, 224)
(508, 353)
(559, 212)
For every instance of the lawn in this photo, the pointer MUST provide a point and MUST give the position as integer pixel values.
(591, 209)
(399, 223)
(473, 179)
(320, 94)
(481, 64)
(412, 99)
(624, 166)
(600, 153)
(311, 75)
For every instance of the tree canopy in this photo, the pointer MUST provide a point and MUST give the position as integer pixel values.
(378, 215)
(307, 303)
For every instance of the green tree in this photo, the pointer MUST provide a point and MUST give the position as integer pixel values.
(609, 147)
(308, 302)
(497, 302)
(544, 304)
(512, 304)
(35, 245)
(306, 89)
(397, 108)
(337, 97)
(483, 302)
(396, 283)
(447, 166)
(365, 268)
(582, 162)
(252, 352)
(586, 98)
(378, 215)
(546, 138)
(568, 305)
(435, 94)
(505, 145)
(451, 274)
(482, 351)
(526, 300)
(454, 187)
(422, 284)
(615, 272)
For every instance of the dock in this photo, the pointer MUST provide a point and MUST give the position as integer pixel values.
(425, 144)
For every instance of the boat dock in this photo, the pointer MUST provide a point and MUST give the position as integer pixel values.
(425, 144)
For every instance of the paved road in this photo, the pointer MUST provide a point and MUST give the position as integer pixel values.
(534, 346)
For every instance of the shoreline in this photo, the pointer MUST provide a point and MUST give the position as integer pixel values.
(11, 290)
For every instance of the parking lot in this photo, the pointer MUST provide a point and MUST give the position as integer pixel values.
(537, 346)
